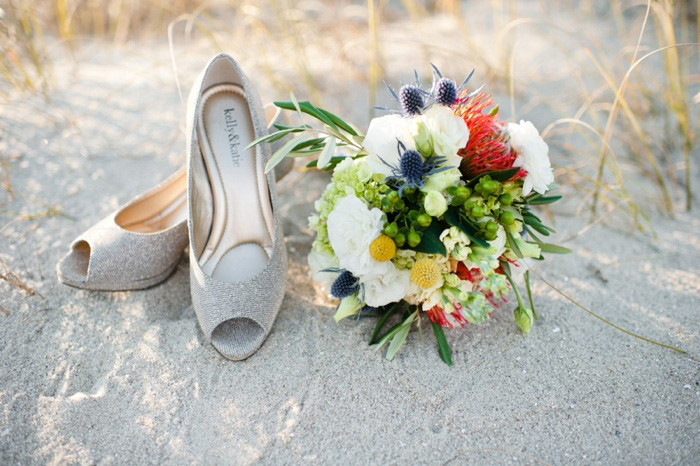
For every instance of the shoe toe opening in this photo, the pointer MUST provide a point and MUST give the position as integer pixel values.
(74, 267)
(237, 338)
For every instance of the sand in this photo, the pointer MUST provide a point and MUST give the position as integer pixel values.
(126, 378)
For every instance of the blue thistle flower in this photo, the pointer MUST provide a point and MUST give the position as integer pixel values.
(411, 99)
(413, 168)
(345, 285)
(445, 91)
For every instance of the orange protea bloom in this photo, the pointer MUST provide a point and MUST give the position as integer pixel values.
(488, 149)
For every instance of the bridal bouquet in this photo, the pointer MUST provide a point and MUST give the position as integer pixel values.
(427, 214)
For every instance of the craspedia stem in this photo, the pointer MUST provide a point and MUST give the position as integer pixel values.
(411, 99)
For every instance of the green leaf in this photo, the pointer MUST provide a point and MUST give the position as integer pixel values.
(512, 244)
(309, 143)
(269, 137)
(295, 104)
(532, 196)
(327, 153)
(382, 322)
(334, 161)
(430, 241)
(309, 109)
(293, 129)
(503, 175)
(304, 153)
(400, 337)
(536, 224)
(543, 200)
(339, 122)
(532, 235)
(284, 150)
(443, 346)
(554, 249)
(454, 217)
(359, 139)
(527, 213)
(388, 335)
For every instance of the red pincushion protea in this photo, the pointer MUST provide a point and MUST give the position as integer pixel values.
(438, 316)
(488, 149)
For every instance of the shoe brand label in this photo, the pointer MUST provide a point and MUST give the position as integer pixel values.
(234, 140)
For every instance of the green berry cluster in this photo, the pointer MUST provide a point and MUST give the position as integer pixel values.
(407, 219)
(488, 198)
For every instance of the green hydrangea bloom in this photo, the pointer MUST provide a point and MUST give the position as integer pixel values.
(349, 177)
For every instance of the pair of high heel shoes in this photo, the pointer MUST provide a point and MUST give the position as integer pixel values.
(223, 206)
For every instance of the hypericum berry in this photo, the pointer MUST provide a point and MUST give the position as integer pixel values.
(400, 240)
(507, 218)
(382, 248)
(477, 211)
(490, 235)
(391, 230)
(345, 285)
(413, 239)
(445, 92)
(462, 192)
(424, 220)
(492, 227)
(411, 99)
(489, 186)
(506, 199)
(411, 166)
(425, 273)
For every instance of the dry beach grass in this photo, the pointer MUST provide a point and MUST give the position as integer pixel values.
(91, 114)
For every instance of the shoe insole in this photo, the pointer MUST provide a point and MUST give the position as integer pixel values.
(166, 205)
(160, 209)
(240, 234)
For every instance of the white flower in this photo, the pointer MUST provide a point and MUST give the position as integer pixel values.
(449, 131)
(382, 139)
(532, 156)
(498, 246)
(319, 260)
(456, 243)
(385, 284)
(442, 180)
(435, 204)
(431, 296)
(343, 165)
(351, 229)
(432, 299)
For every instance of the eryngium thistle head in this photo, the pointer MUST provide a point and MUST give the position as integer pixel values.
(445, 92)
(412, 167)
(411, 99)
(345, 285)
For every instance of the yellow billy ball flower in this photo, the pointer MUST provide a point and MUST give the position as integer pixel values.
(382, 248)
(425, 273)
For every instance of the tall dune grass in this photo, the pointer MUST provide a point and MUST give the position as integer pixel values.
(614, 120)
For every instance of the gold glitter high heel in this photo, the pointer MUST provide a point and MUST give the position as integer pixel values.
(139, 245)
(238, 260)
